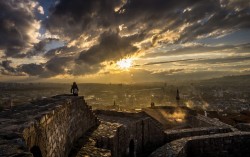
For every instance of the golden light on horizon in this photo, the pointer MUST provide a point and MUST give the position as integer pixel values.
(125, 63)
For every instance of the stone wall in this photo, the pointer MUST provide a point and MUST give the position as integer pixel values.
(243, 126)
(47, 127)
(231, 145)
(228, 144)
(128, 132)
(203, 121)
(145, 135)
(171, 135)
(199, 125)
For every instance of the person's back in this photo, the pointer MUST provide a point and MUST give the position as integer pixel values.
(74, 89)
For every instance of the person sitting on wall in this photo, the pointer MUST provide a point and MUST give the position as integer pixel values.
(152, 104)
(74, 89)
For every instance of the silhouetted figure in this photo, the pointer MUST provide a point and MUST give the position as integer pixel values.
(177, 95)
(152, 104)
(74, 89)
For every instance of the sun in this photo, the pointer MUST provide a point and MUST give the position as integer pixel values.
(125, 63)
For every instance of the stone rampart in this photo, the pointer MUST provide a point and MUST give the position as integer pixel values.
(45, 128)
(129, 133)
(217, 145)
(203, 121)
(171, 135)
(243, 126)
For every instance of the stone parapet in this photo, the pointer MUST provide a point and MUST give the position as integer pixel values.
(47, 127)
(171, 135)
(124, 133)
(243, 126)
(227, 144)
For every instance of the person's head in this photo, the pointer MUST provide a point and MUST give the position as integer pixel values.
(74, 83)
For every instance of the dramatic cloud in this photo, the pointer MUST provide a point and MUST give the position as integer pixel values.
(39, 48)
(18, 27)
(196, 18)
(58, 64)
(61, 52)
(111, 47)
(7, 67)
(94, 34)
(32, 69)
(71, 18)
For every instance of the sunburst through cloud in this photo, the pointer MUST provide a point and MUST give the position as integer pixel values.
(125, 63)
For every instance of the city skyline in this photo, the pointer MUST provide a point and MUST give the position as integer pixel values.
(123, 41)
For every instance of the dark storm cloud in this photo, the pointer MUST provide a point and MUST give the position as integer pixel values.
(61, 51)
(189, 19)
(72, 17)
(197, 17)
(16, 22)
(111, 47)
(52, 67)
(57, 65)
(217, 22)
(117, 25)
(7, 67)
(39, 48)
(32, 69)
(66, 65)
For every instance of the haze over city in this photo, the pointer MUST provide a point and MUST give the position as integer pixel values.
(123, 41)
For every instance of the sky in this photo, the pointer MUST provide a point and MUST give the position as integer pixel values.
(123, 41)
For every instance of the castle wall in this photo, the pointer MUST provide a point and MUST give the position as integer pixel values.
(145, 135)
(51, 126)
(203, 121)
(243, 126)
(227, 144)
(216, 146)
(171, 135)
(134, 129)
